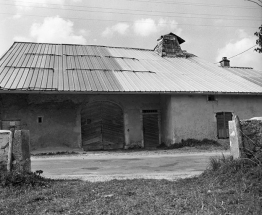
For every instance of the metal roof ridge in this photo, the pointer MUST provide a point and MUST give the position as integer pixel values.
(73, 44)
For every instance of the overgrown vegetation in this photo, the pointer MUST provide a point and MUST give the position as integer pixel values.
(227, 187)
(204, 144)
(16, 179)
(56, 153)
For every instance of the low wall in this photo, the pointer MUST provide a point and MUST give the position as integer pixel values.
(246, 138)
(252, 137)
(4, 148)
(15, 151)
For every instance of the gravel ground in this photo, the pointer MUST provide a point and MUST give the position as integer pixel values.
(131, 164)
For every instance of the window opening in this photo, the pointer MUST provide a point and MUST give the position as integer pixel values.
(40, 119)
(211, 98)
(222, 124)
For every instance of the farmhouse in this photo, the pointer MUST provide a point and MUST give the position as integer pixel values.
(100, 97)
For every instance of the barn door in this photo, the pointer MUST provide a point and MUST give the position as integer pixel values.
(102, 126)
(151, 128)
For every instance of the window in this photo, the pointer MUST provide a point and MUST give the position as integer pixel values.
(211, 98)
(222, 124)
(40, 119)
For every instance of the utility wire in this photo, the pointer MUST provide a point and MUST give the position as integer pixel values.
(242, 52)
(127, 13)
(123, 9)
(195, 4)
(128, 21)
(239, 53)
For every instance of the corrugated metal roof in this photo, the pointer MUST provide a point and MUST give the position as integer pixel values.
(80, 68)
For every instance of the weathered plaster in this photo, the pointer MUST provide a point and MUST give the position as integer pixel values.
(194, 116)
(62, 119)
(166, 121)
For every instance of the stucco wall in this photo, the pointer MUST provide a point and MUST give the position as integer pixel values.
(166, 121)
(61, 116)
(194, 116)
(59, 126)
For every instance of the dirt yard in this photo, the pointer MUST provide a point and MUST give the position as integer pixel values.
(104, 166)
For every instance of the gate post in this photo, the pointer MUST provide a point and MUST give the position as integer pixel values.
(5, 145)
(235, 136)
(21, 151)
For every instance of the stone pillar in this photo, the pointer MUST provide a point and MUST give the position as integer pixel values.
(5, 143)
(235, 137)
(21, 151)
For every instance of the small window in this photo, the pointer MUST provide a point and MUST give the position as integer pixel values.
(40, 119)
(211, 98)
(222, 124)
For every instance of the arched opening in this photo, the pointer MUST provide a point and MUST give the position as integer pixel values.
(102, 126)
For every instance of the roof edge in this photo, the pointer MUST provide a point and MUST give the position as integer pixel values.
(2, 56)
(129, 92)
(72, 44)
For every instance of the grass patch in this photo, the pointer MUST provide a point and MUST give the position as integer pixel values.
(226, 187)
(205, 144)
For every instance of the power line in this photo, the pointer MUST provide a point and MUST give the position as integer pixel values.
(195, 4)
(128, 21)
(127, 13)
(239, 53)
(123, 9)
(242, 52)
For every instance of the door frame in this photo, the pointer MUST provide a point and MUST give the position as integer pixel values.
(142, 113)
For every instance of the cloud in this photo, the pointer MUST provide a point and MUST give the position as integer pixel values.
(146, 27)
(120, 28)
(247, 59)
(22, 39)
(55, 30)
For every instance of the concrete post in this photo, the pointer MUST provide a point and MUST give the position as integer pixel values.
(235, 135)
(21, 151)
(5, 149)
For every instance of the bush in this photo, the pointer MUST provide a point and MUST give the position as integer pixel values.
(245, 171)
(22, 179)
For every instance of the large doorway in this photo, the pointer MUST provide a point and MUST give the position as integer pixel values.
(102, 126)
(151, 128)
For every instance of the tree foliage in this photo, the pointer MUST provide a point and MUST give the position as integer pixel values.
(258, 33)
(259, 40)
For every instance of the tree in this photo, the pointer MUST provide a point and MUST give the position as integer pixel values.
(259, 40)
(259, 33)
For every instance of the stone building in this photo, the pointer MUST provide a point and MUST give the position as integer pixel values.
(100, 97)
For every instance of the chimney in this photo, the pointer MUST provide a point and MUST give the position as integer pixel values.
(225, 62)
(169, 46)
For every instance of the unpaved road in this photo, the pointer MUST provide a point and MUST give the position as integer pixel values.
(107, 166)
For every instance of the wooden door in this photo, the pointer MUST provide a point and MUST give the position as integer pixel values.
(151, 128)
(102, 126)
(91, 127)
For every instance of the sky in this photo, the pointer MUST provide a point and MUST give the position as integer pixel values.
(212, 29)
